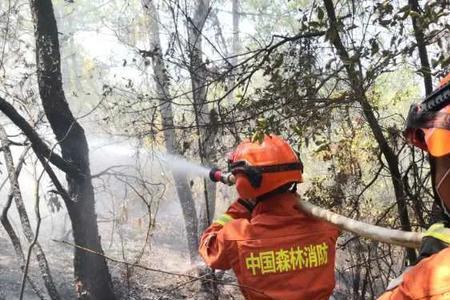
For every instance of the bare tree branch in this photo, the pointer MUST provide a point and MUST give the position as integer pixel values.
(28, 231)
(38, 145)
(160, 271)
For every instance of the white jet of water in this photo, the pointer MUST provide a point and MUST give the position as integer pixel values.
(123, 150)
(180, 165)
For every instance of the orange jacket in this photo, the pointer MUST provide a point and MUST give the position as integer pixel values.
(277, 252)
(428, 280)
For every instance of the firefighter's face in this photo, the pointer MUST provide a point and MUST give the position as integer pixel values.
(442, 179)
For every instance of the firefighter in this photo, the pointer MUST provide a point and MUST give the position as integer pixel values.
(428, 127)
(275, 250)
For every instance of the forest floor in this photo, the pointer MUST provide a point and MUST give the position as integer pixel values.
(129, 283)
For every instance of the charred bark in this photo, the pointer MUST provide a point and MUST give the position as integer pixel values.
(92, 278)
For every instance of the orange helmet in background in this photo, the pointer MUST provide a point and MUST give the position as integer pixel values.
(428, 127)
(428, 123)
(260, 168)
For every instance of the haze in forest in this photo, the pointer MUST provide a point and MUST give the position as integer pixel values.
(159, 92)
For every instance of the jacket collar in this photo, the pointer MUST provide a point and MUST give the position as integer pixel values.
(281, 204)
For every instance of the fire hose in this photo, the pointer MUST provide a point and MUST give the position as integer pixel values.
(373, 232)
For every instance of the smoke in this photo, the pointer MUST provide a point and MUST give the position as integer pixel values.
(124, 206)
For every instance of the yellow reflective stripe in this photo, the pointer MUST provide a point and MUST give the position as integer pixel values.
(435, 227)
(439, 231)
(218, 221)
(225, 218)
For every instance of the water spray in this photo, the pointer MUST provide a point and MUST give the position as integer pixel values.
(378, 233)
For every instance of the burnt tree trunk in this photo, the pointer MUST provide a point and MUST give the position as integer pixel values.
(356, 82)
(92, 278)
(205, 118)
(163, 91)
(437, 213)
(425, 69)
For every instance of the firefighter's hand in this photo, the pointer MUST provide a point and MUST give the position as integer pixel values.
(436, 238)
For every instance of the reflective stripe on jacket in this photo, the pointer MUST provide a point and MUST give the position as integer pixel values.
(428, 280)
(278, 252)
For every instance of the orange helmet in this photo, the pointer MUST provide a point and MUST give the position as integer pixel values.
(262, 168)
(428, 123)
(428, 127)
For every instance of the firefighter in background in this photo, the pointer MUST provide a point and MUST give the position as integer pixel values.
(275, 250)
(428, 127)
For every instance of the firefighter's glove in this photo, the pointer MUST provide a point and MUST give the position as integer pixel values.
(436, 238)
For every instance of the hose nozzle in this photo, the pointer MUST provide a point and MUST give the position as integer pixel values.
(216, 175)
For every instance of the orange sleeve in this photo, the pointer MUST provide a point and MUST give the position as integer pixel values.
(214, 248)
(427, 280)
(386, 295)
(395, 294)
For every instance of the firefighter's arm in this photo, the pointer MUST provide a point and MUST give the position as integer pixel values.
(213, 246)
(435, 239)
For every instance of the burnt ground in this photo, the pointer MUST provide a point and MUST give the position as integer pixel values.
(11, 275)
(138, 285)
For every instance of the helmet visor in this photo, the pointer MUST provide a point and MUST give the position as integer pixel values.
(437, 141)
